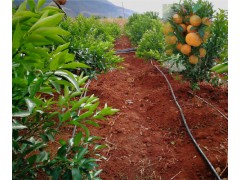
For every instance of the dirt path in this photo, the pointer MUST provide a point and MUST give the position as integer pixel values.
(147, 139)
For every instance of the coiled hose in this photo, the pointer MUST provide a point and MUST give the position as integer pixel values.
(185, 123)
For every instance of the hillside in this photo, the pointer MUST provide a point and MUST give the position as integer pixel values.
(102, 8)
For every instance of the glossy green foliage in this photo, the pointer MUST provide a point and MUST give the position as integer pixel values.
(46, 96)
(92, 43)
(138, 24)
(151, 45)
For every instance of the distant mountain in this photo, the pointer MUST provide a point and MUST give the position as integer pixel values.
(101, 8)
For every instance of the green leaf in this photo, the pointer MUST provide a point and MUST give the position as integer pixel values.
(220, 68)
(43, 156)
(20, 114)
(69, 76)
(85, 115)
(55, 85)
(17, 36)
(44, 137)
(22, 7)
(47, 21)
(57, 60)
(93, 107)
(87, 133)
(81, 81)
(56, 38)
(224, 69)
(31, 105)
(62, 151)
(74, 94)
(50, 136)
(62, 142)
(34, 87)
(81, 153)
(76, 174)
(196, 7)
(98, 147)
(31, 160)
(74, 122)
(17, 125)
(32, 5)
(66, 92)
(77, 138)
(40, 3)
(49, 31)
(66, 116)
(47, 90)
(74, 65)
(38, 40)
(33, 148)
(97, 173)
(61, 48)
(92, 123)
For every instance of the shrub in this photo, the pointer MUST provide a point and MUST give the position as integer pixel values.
(204, 31)
(138, 24)
(151, 45)
(92, 43)
(47, 96)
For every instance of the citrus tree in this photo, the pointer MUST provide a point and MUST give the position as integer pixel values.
(92, 43)
(191, 32)
(46, 96)
(138, 24)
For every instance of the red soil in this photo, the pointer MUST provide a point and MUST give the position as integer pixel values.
(147, 138)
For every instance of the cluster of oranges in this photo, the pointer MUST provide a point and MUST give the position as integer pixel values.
(189, 31)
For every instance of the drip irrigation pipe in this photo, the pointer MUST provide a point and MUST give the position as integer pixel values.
(125, 50)
(186, 125)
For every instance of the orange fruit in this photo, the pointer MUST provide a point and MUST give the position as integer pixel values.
(190, 30)
(171, 39)
(177, 18)
(186, 49)
(184, 27)
(193, 59)
(193, 39)
(206, 36)
(202, 52)
(206, 21)
(62, 2)
(195, 20)
(169, 52)
(167, 28)
(179, 45)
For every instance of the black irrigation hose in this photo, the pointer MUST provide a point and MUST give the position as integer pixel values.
(185, 123)
(125, 50)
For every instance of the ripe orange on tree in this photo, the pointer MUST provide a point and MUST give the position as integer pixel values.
(184, 27)
(206, 21)
(193, 39)
(202, 52)
(186, 49)
(179, 45)
(206, 36)
(167, 28)
(177, 18)
(195, 20)
(193, 59)
(171, 39)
